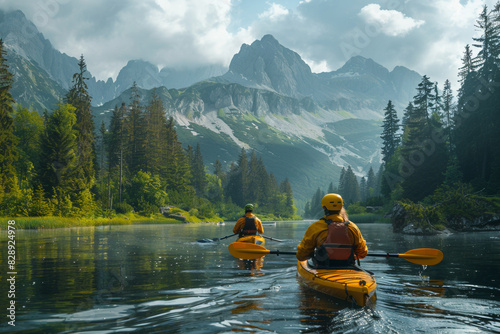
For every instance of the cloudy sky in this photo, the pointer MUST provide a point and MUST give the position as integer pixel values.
(428, 36)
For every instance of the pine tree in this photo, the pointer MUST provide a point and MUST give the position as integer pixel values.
(475, 132)
(363, 189)
(199, 178)
(331, 188)
(389, 135)
(409, 110)
(101, 150)
(469, 68)
(488, 43)
(28, 128)
(423, 101)
(316, 210)
(135, 133)
(155, 134)
(238, 186)
(116, 151)
(8, 141)
(436, 101)
(176, 172)
(59, 169)
(79, 97)
(289, 209)
(371, 184)
(448, 110)
(349, 187)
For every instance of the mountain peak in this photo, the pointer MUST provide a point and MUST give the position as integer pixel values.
(269, 39)
(268, 64)
(362, 65)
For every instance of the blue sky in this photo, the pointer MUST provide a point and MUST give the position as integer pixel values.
(428, 36)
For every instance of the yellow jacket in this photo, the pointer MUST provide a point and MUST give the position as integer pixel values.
(241, 223)
(316, 234)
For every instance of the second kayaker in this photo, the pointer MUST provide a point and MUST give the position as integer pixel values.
(249, 224)
(332, 241)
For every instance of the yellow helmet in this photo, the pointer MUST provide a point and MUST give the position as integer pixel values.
(332, 202)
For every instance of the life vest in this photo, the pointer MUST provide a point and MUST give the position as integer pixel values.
(249, 228)
(337, 249)
(337, 243)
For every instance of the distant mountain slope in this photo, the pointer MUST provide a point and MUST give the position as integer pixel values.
(23, 38)
(297, 139)
(361, 87)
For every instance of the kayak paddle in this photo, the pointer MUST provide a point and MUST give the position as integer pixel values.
(273, 239)
(216, 239)
(248, 251)
(423, 256)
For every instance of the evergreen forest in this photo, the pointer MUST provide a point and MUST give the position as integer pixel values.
(446, 147)
(59, 163)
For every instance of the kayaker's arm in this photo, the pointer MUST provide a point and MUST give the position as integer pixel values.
(361, 249)
(259, 226)
(311, 240)
(239, 225)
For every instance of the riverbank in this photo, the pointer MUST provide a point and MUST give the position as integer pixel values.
(125, 219)
(131, 218)
(463, 214)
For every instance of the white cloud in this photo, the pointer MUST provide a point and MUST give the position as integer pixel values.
(390, 22)
(458, 14)
(189, 33)
(318, 67)
(275, 12)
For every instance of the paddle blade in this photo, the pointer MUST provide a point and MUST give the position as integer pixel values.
(247, 251)
(423, 256)
(207, 240)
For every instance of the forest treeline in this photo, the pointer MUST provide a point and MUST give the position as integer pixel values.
(445, 144)
(59, 164)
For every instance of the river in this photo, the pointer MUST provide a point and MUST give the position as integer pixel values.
(159, 279)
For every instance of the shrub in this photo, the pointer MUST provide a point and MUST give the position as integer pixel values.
(122, 208)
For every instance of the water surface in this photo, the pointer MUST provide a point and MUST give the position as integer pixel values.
(158, 278)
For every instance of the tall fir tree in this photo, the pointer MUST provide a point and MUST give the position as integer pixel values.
(371, 184)
(469, 67)
(59, 168)
(8, 141)
(238, 186)
(28, 127)
(199, 178)
(156, 123)
(390, 138)
(176, 171)
(135, 132)
(448, 111)
(79, 97)
(289, 209)
(422, 159)
(488, 43)
(349, 187)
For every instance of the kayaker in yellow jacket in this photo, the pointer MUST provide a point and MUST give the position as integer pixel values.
(249, 224)
(317, 234)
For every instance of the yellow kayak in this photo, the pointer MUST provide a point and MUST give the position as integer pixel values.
(347, 284)
(253, 239)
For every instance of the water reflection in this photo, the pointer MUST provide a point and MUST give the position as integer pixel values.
(157, 278)
(253, 265)
(249, 303)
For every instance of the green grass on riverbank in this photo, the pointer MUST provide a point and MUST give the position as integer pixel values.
(127, 219)
(64, 222)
